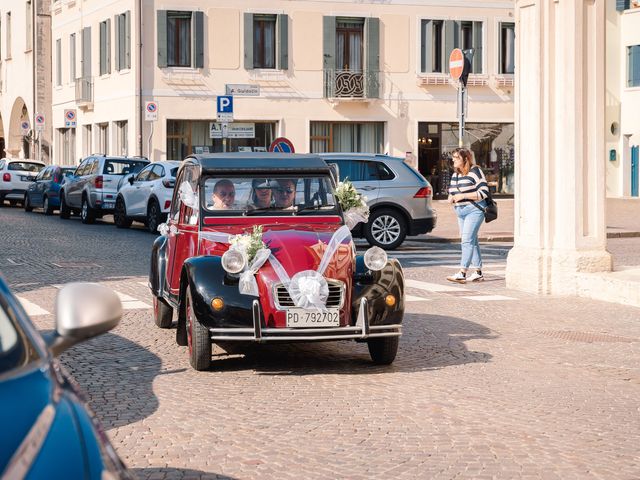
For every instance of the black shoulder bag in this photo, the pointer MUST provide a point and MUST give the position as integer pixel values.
(490, 211)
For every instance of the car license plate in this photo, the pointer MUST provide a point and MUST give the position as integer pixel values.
(301, 317)
(25, 179)
(108, 205)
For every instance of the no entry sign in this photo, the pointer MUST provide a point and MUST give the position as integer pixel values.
(456, 63)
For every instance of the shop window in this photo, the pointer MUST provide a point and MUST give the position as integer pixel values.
(347, 137)
(507, 48)
(266, 42)
(633, 66)
(102, 138)
(180, 36)
(66, 145)
(122, 137)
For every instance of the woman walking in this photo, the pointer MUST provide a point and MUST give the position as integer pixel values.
(467, 192)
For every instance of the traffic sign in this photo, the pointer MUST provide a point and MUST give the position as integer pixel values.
(224, 108)
(456, 63)
(282, 145)
(24, 126)
(151, 111)
(39, 122)
(70, 119)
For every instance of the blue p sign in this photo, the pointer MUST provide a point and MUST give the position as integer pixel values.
(225, 104)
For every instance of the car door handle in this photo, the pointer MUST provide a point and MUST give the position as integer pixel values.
(368, 188)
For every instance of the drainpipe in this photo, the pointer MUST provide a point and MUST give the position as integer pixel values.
(140, 77)
(33, 83)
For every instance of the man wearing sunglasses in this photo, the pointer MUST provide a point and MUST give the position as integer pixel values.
(285, 193)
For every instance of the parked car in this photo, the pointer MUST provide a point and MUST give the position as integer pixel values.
(44, 191)
(48, 431)
(92, 189)
(146, 196)
(399, 197)
(15, 177)
(221, 294)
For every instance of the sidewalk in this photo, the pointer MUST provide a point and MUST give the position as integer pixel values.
(623, 220)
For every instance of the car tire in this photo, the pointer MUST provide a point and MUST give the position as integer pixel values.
(386, 229)
(46, 206)
(162, 313)
(120, 214)
(154, 216)
(198, 340)
(1, 201)
(65, 211)
(383, 350)
(13, 203)
(87, 216)
(27, 204)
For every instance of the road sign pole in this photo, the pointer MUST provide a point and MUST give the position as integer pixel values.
(462, 93)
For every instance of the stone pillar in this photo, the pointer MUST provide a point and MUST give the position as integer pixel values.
(560, 159)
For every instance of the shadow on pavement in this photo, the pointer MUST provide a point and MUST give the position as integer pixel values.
(429, 342)
(169, 473)
(119, 393)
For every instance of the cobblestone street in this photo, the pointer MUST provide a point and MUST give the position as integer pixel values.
(488, 382)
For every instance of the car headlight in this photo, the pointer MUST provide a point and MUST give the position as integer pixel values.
(375, 258)
(234, 261)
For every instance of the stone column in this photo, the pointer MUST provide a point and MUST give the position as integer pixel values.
(560, 159)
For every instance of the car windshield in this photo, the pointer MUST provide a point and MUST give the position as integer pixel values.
(272, 195)
(174, 172)
(67, 171)
(25, 166)
(122, 167)
(15, 350)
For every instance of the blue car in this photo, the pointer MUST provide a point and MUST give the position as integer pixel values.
(44, 192)
(47, 429)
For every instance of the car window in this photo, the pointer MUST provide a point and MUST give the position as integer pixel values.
(49, 173)
(143, 176)
(15, 348)
(116, 166)
(357, 170)
(174, 172)
(25, 166)
(383, 172)
(2, 162)
(82, 167)
(42, 174)
(94, 167)
(157, 172)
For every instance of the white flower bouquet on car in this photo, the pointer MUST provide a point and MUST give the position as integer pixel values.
(354, 205)
(249, 243)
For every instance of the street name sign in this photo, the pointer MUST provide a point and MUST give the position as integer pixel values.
(242, 90)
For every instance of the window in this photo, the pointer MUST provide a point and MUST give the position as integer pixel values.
(347, 137)
(105, 47)
(122, 138)
(123, 40)
(507, 47)
(633, 66)
(28, 29)
(8, 42)
(72, 57)
(439, 37)
(102, 138)
(266, 43)
(58, 62)
(86, 140)
(86, 52)
(180, 37)
(66, 145)
(349, 44)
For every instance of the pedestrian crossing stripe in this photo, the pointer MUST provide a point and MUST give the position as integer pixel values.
(432, 287)
(413, 298)
(488, 298)
(31, 308)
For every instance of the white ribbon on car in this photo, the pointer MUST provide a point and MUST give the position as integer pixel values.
(355, 215)
(188, 196)
(167, 230)
(248, 284)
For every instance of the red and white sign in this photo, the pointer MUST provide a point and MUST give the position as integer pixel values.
(70, 119)
(151, 111)
(282, 145)
(456, 63)
(39, 122)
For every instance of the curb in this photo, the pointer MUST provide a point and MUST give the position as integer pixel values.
(507, 238)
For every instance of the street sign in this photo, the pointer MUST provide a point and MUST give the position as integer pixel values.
(282, 145)
(224, 108)
(24, 127)
(242, 90)
(70, 119)
(151, 111)
(232, 130)
(39, 122)
(456, 63)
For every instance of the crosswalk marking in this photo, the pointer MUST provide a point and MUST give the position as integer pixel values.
(31, 308)
(432, 287)
(130, 303)
(488, 298)
(413, 298)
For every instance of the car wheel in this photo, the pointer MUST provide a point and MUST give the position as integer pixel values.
(13, 203)
(154, 216)
(65, 211)
(198, 340)
(1, 201)
(383, 350)
(386, 229)
(162, 313)
(120, 215)
(27, 204)
(46, 206)
(86, 212)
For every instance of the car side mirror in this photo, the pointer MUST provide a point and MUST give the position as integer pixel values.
(83, 311)
(131, 179)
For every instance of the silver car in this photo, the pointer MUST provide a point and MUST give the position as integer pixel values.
(399, 197)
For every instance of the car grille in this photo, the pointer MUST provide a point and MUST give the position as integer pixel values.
(334, 300)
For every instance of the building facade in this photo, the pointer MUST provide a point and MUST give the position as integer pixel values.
(25, 73)
(328, 75)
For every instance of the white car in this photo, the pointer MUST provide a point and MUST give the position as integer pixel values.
(15, 177)
(146, 196)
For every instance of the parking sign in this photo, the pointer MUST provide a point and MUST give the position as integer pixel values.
(224, 108)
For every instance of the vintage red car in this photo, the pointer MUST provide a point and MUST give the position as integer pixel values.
(303, 282)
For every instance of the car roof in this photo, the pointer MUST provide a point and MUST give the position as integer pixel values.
(258, 162)
(358, 156)
(22, 160)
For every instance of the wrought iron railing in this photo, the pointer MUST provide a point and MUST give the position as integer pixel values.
(84, 90)
(351, 83)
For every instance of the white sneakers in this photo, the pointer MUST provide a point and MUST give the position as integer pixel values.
(460, 277)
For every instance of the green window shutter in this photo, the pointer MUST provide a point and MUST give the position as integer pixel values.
(86, 52)
(248, 41)
(372, 46)
(161, 35)
(329, 43)
(198, 39)
(477, 47)
(108, 45)
(127, 40)
(283, 40)
(451, 40)
(116, 38)
(426, 47)
(103, 48)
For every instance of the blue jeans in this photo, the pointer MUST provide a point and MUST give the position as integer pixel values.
(469, 220)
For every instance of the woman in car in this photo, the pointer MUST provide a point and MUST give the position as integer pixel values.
(261, 193)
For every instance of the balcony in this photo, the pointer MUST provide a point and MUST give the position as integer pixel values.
(84, 92)
(351, 84)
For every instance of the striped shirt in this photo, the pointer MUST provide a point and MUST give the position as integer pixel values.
(473, 181)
